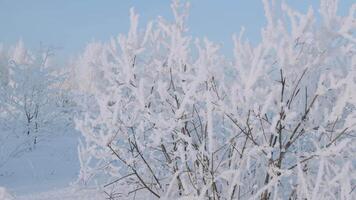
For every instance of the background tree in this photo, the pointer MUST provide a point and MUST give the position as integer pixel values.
(33, 103)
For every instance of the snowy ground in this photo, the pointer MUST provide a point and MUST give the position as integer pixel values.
(64, 194)
(51, 165)
(59, 194)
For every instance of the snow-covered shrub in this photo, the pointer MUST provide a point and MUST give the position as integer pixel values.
(4, 195)
(32, 102)
(168, 117)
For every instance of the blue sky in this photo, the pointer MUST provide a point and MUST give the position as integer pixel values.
(71, 24)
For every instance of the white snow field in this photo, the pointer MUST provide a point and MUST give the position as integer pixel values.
(64, 194)
(45, 173)
(52, 164)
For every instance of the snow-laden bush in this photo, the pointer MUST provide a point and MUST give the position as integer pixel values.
(169, 117)
(4, 195)
(33, 104)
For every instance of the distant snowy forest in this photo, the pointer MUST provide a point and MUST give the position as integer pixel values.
(161, 114)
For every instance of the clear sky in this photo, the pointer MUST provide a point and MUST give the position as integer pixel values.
(70, 24)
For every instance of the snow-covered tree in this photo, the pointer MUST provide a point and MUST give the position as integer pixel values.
(5, 195)
(32, 102)
(168, 117)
